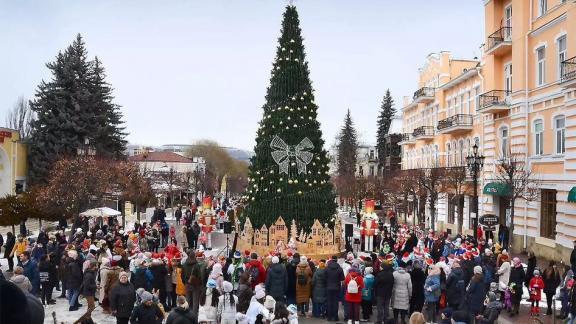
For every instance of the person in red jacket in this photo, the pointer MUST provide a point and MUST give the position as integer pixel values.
(536, 285)
(353, 294)
(256, 271)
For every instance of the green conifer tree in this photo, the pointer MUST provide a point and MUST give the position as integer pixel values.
(387, 112)
(288, 175)
(347, 148)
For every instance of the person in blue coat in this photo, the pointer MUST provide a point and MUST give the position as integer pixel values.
(367, 293)
(475, 293)
(30, 271)
(432, 293)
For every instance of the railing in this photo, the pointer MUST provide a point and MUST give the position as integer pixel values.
(568, 69)
(492, 98)
(499, 36)
(406, 137)
(456, 120)
(423, 131)
(423, 92)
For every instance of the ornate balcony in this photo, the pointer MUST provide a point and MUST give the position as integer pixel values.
(568, 69)
(494, 101)
(423, 133)
(455, 124)
(499, 42)
(407, 138)
(423, 95)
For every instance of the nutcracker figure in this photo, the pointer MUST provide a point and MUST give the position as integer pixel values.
(369, 226)
(207, 220)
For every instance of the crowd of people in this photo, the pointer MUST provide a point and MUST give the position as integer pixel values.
(143, 275)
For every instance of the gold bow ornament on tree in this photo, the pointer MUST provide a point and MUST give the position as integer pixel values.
(283, 153)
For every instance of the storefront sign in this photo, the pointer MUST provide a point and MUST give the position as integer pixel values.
(489, 220)
(5, 134)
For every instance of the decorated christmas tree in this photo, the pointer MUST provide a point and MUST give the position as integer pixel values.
(289, 172)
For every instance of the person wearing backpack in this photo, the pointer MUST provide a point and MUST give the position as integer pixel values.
(303, 285)
(455, 286)
(256, 271)
(368, 293)
(354, 284)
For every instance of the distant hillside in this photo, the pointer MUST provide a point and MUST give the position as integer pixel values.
(239, 154)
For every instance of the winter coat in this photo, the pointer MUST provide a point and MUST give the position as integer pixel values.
(180, 286)
(261, 278)
(368, 291)
(180, 315)
(19, 247)
(31, 271)
(244, 294)
(159, 272)
(418, 279)
(108, 277)
(22, 282)
(475, 294)
(319, 286)
(402, 289)
(141, 278)
(433, 283)
(122, 298)
(517, 277)
(73, 274)
(551, 281)
(455, 287)
(47, 273)
(351, 297)
(531, 266)
(503, 276)
(334, 276)
(491, 313)
(10, 242)
(276, 281)
(535, 287)
(303, 291)
(226, 312)
(384, 283)
(89, 283)
(291, 273)
(144, 314)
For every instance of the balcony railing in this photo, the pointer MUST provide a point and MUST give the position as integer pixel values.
(460, 120)
(407, 137)
(498, 37)
(494, 98)
(423, 131)
(423, 92)
(568, 69)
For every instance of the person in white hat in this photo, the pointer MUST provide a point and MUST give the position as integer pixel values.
(227, 304)
(257, 307)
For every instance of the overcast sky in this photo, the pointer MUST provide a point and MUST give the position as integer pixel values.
(185, 70)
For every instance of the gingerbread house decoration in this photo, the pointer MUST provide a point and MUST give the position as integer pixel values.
(319, 241)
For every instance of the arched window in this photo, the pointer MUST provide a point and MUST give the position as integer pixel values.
(538, 137)
(448, 154)
(436, 155)
(461, 144)
(455, 153)
(504, 146)
(560, 134)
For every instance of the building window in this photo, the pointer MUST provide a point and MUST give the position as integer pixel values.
(560, 134)
(538, 137)
(508, 22)
(371, 171)
(504, 142)
(561, 55)
(361, 170)
(542, 7)
(541, 66)
(508, 77)
(448, 164)
(371, 154)
(548, 213)
(451, 209)
(477, 100)
(461, 144)
(436, 156)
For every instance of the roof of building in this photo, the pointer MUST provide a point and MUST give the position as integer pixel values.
(160, 157)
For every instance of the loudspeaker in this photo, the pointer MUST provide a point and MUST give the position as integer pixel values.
(348, 230)
(227, 227)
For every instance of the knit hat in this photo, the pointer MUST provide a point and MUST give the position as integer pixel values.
(368, 270)
(303, 259)
(227, 287)
(536, 272)
(275, 259)
(237, 255)
(260, 293)
(146, 296)
(270, 303)
(211, 283)
(292, 309)
(517, 262)
(477, 270)
(123, 274)
(73, 254)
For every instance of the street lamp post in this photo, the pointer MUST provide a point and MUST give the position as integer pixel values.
(475, 163)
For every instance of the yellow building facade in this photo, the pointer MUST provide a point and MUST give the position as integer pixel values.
(13, 163)
(518, 100)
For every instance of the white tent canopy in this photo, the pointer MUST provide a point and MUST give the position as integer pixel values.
(101, 212)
